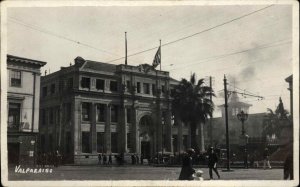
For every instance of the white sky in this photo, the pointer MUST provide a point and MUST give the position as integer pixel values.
(261, 71)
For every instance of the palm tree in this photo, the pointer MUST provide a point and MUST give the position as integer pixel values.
(192, 104)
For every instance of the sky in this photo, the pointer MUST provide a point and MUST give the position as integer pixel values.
(250, 44)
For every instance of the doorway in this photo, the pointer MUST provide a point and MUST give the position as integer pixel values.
(13, 150)
(145, 149)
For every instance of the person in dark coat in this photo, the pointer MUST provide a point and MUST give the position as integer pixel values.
(104, 159)
(212, 162)
(99, 158)
(187, 170)
(110, 159)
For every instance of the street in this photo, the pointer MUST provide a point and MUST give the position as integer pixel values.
(139, 173)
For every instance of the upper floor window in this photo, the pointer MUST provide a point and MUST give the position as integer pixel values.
(114, 86)
(146, 88)
(14, 113)
(44, 91)
(138, 87)
(51, 115)
(52, 89)
(85, 111)
(128, 115)
(43, 116)
(15, 78)
(85, 82)
(128, 85)
(99, 84)
(100, 113)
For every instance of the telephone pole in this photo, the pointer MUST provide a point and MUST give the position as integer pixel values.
(226, 123)
(210, 124)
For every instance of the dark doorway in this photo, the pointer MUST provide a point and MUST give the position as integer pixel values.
(145, 149)
(13, 153)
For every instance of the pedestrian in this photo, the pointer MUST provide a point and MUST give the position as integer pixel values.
(110, 159)
(212, 162)
(99, 158)
(104, 159)
(142, 159)
(187, 170)
(132, 159)
(266, 156)
(288, 172)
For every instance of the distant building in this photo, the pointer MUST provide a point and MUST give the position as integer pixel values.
(23, 93)
(253, 125)
(94, 107)
(289, 80)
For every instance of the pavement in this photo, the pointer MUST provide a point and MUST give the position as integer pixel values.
(139, 172)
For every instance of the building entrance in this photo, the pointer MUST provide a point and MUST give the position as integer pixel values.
(145, 149)
(13, 150)
(146, 136)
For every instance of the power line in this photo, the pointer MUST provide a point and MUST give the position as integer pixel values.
(195, 34)
(17, 21)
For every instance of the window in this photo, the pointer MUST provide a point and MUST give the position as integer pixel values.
(185, 142)
(51, 115)
(113, 86)
(114, 113)
(99, 84)
(85, 111)
(146, 88)
(163, 89)
(128, 113)
(15, 78)
(85, 82)
(153, 89)
(100, 142)
(14, 113)
(85, 142)
(114, 142)
(138, 87)
(175, 142)
(100, 113)
(68, 142)
(52, 88)
(128, 85)
(43, 143)
(45, 90)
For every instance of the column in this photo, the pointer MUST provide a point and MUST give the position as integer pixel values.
(201, 136)
(134, 131)
(122, 130)
(158, 130)
(76, 126)
(107, 130)
(189, 137)
(93, 130)
(168, 131)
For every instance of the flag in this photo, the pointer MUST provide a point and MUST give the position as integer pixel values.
(157, 59)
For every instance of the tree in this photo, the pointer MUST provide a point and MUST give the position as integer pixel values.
(273, 120)
(192, 104)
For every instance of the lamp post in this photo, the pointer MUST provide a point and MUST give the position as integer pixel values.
(243, 117)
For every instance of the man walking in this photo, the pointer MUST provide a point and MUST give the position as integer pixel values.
(110, 159)
(266, 158)
(212, 162)
(99, 158)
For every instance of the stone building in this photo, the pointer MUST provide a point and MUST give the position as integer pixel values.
(93, 107)
(23, 92)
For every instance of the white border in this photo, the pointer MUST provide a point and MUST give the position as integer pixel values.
(253, 183)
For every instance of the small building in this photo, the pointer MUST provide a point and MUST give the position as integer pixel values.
(23, 95)
(93, 107)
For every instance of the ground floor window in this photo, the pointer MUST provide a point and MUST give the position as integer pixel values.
(14, 113)
(100, 142)
(114, 142)
(85, 142)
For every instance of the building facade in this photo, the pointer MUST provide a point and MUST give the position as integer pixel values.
(23, 92)
(93, 107)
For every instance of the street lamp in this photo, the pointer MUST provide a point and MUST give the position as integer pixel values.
(243, 117)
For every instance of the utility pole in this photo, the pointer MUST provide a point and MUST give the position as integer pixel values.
(226, 123)
(210, 125)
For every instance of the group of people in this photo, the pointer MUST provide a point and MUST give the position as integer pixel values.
(187, 171)
(104, 159)
(135, 159)
(49, 159)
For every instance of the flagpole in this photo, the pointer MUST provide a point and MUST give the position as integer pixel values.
(160, 55)
(126, 48)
